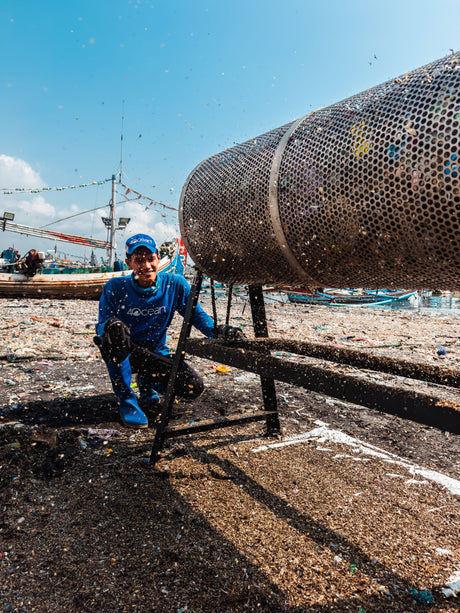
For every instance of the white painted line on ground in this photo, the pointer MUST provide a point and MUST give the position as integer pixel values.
(453, 585)
(323, 433)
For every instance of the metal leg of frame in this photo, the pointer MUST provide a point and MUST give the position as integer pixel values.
(259, 320)
(167, 404)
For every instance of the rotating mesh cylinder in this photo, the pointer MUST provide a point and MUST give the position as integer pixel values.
(364, 193)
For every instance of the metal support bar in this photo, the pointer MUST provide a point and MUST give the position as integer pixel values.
(112, 224)
(214, 424)
(403, 368)
(259, 320)
(213, 302)
(51, 234)
(270, 413)
(412, 405)
(229, 303)
(166, 406)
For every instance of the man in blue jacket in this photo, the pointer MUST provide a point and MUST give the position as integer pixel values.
(135, 312)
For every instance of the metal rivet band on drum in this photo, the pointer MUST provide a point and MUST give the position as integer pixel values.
(273, 202)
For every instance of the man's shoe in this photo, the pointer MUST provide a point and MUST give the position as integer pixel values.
(131, 415)
(150, 402)
(149, 397)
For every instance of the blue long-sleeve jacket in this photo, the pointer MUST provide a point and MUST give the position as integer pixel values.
(148, 312)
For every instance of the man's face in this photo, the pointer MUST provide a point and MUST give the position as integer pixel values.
(145, 265)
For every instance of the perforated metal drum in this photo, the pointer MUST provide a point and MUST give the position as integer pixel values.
(364, 193)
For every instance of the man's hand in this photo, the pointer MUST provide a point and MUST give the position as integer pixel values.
(115, 345)
(228, 333)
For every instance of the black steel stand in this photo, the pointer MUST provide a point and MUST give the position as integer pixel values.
(166, 406)
(270, 412)
(254, 356)
(259, 319)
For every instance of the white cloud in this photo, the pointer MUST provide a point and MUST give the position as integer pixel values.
(35, 212)
(30, 210)
(15, 172)
(144, 222)
(163, 232)
(36, 208)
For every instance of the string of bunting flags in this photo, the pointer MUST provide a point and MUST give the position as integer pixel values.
(140, 196)
(128, 190)
(37, 190)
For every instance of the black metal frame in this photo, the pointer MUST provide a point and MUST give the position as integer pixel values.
(270, 412)
(417, 406)
(254, 356)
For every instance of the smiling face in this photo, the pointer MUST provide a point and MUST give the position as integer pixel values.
(145, 265)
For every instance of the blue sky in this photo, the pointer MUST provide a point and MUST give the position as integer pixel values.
(191, 77)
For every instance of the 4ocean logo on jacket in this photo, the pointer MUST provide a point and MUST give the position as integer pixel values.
(137, 312)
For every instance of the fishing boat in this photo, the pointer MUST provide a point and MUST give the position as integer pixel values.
(399, 295)
(349, 297)
(34, 277)
(74, 283)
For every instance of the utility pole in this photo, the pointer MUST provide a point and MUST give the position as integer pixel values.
(112, 224)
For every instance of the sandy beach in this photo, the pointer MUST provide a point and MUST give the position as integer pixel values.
(349, 509)
(64, 328)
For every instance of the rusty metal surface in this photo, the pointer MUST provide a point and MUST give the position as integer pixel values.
(419, 407)
(442, 375)
(364, 193)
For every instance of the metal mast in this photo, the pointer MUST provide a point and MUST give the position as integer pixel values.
(112, 237)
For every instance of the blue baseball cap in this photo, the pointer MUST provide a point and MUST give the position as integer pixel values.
(140, 240)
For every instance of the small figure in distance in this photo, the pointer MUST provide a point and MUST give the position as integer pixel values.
(31, 263)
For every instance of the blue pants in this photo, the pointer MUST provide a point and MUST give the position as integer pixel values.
(140, 357)
(155, 369)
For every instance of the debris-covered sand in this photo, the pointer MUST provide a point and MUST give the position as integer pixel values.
(349, 510)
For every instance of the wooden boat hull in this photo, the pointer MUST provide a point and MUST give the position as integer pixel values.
(84, 286)
(80, 286)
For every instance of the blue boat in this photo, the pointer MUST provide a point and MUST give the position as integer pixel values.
(349, 297)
